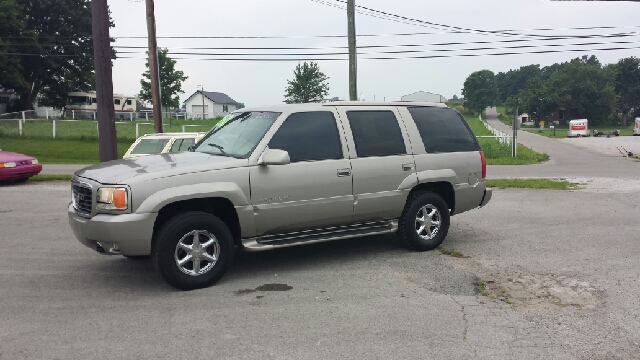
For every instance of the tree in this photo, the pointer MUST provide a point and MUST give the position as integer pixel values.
(480, 90)
(309, 84)
(239, 106)
(170, 81)
(513, 81)
(56, 36)
(627, 86)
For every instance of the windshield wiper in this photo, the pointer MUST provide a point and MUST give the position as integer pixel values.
(219, 148)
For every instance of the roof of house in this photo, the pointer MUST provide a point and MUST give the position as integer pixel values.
(216, 97)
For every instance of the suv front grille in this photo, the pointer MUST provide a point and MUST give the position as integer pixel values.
(82, 198)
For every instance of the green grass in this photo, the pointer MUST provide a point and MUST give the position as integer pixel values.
(60, 151)
(482, 290)
(450, 252)
(498, 153)
(549, 184)
(50, 178)
(86, 130)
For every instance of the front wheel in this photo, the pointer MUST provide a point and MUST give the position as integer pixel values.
(424, 222)
(192, 250)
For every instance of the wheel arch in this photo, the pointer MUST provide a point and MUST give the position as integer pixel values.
(442, 188)
(220, 207)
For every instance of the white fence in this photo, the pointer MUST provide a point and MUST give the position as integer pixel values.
(502, 136)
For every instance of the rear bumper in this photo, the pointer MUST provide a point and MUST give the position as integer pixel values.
(487, 196)
(20, 172)
(124, 234)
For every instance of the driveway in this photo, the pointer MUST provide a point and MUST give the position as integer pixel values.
(561, 268)
(566, 160)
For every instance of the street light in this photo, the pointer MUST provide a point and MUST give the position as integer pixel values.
(202, 92)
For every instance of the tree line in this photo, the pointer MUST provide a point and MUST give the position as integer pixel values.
(582, 87)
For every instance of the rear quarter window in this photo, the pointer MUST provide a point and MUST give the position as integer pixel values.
(443, 130)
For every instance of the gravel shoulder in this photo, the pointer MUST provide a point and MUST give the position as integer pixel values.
(607, 146)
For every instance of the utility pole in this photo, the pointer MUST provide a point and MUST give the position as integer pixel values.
(154, 67)
(202, 93)
(104, 81)
(514, 137)
(353, 71)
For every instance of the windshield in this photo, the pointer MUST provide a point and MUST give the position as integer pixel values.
(238, 136)
(78, 100)
(149, 146)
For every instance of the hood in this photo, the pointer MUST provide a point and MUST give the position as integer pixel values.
(8, 156)
(152, 167)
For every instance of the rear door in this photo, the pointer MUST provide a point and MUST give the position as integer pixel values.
(381, 161)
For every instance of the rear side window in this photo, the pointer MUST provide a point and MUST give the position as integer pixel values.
(443, 130)
(182, 145)
(376, 133)
(150, 146)
(309, 136)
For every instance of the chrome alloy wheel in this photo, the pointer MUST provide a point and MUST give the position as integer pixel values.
(428, 222)
(197, 252)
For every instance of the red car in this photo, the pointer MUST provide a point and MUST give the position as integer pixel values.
(17, 167)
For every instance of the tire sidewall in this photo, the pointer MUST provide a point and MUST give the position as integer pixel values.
(165, 245)
(416, 241)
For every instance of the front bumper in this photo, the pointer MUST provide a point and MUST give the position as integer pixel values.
(20, 172)
(486, 197)
(123, 234)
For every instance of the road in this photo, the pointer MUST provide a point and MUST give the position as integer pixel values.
(566, 160)
(564, 264)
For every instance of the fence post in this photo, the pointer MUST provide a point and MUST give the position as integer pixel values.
(73, 114)
(54, 128)
(146, 114)
(94, 115)
(137, 130)
(47, 112)
(183, 128)
(130, 116)
(97, 128)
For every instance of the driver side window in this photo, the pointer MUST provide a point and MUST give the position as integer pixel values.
(309, 136)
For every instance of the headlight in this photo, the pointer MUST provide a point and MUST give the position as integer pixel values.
(34, 161)
(7, 165)
(112, 199)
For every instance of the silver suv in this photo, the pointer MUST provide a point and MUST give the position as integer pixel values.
(282, 176)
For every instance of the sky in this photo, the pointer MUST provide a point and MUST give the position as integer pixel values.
(257, 83)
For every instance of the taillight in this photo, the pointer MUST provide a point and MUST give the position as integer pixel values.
(484, 164)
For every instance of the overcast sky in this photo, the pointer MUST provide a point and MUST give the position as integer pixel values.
(262, 83)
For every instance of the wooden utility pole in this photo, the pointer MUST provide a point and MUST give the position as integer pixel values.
(104, 81)
(353, 70)
(154, 67)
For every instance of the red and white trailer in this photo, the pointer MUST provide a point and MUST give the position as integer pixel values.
(636, 128)
(578, 127)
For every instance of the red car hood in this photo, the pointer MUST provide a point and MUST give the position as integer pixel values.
(8, 156)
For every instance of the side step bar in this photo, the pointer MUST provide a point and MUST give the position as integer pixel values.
(267, 242)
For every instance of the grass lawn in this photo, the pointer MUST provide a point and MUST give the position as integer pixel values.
(498, 153)
(50, 178)
(60, 151)
(83, 129)
(548, 184)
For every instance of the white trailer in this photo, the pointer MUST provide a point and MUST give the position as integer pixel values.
(85, 105)
(636, 128)
(578, 127)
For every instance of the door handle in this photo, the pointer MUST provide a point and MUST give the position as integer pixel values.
(344, 172)
(408, 167)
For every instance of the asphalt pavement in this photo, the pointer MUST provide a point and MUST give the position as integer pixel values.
(561, 268)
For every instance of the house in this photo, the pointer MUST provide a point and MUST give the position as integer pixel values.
(6, 97)
(215, 104)
(424, 96)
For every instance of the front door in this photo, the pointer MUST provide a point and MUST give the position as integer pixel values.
(315, 189)
(382, 162)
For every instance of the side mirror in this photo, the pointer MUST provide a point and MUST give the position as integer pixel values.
(274, 157)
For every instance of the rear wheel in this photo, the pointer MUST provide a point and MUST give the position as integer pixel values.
(424, 222)
(192, 250)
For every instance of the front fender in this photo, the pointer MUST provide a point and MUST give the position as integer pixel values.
(227, 190)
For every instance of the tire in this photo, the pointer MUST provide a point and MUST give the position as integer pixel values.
(21, 180)
(420, 205)
(174, 242)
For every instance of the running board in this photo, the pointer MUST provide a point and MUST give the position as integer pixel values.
(313, 236)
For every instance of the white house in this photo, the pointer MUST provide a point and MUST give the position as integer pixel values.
(424, 96)
(215, 104)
